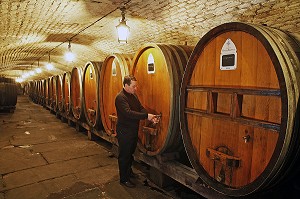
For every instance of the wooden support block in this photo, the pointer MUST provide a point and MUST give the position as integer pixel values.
(71, 123)
(57, 115)
(167, 157)
(63, 119)
(79, 128)
(115, 150)
(160, 179)
(91, 135)
(52, 111)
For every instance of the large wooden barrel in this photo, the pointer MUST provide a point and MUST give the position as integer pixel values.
(76, 93)
(49, 90)
(66, 87)
(41, 92)
(45, 91)
(238, 102)
(114, 68)
(20, 88)
(36, 91)
(31, 90)
(90, 84)
(53, 92)
(59, 93)
(26, 88)
(8, 93)
(50, 93)
(158, 69)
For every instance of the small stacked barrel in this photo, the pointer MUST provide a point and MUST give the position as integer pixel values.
(8, 93)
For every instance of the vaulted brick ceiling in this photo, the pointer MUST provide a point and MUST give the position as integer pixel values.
(30, 30)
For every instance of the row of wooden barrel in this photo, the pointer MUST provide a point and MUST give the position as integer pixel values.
(8, 93)
(233, 98)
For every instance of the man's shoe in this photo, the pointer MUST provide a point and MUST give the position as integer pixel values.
(128, 184)
(133, 175)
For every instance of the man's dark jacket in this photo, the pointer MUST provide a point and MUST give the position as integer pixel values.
(129, 111)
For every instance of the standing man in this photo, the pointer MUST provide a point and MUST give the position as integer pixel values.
(129, 111)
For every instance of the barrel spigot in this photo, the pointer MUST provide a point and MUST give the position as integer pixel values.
(246, 138)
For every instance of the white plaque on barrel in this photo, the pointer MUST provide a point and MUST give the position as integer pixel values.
(228, 57)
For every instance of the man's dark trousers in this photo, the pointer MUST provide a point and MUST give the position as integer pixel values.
(127, 139)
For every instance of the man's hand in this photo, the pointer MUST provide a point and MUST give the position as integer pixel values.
(153, 118)
(150, 116)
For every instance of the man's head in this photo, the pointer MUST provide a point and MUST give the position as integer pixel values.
(130, 84)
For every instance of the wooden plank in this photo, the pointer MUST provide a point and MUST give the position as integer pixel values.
(233, 139)
(236, 105)
(224, 103)
(221, 156)
(249, 61)
(238, 90)
(259, 158)
(275, 111)
(252, 122)
(207, 140)
(245, 152)
(197, 132)
(210, 60)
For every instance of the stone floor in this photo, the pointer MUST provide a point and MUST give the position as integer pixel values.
(42, 157)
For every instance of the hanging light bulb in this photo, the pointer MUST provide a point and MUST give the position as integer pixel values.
(31, 72)
(38, 70)
(69, 56)
(19, 80)
(49, 66)
(122, 28)
(25, 75)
